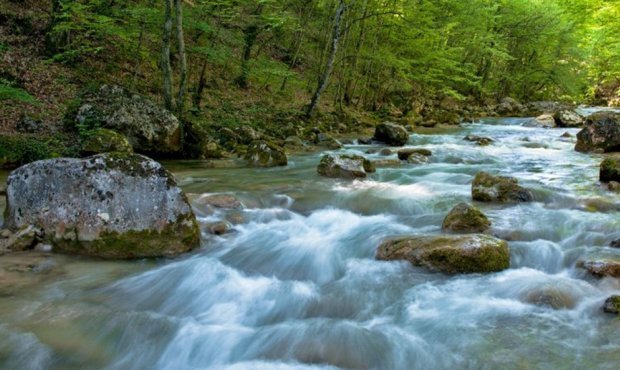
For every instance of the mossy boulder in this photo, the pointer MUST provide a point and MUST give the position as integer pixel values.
(148, 127)
(262, 153)
(391, 134)
(489, 188)
(346, 166)
(465, 218)
(113, 205)
(610, 169)
(451, 254)
(104, 141)
(612, 305)
(601, 133)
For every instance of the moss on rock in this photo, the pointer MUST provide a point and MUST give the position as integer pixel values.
(610, 169)
(489, 188)
(103, 141)
(612, 305)
(452, 254)
(263, 153)
(465, 218)
(347, 166)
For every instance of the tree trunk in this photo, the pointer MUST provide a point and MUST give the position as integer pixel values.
(178, 8)
(324, 79)
(165, 55)
(202, 82)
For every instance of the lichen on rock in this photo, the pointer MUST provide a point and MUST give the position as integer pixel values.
(113, 205)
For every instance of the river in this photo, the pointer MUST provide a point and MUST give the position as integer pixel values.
(296, 286)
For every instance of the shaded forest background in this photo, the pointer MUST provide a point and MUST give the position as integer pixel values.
(231, 62)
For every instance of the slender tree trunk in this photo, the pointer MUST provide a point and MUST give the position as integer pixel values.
(165, 55)
(250, 34)
(324, 79)
(178, 8)
(202, 82)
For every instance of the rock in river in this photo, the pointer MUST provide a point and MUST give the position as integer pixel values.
(612, 305)
(391, 134)
(113, 205)
(568, 118)
(451, 254)
(149, 128)
(601, 134)
(263, 153)
(489, 188)
(610, 169)
(345, 166)
(465, 218)
(602, 267)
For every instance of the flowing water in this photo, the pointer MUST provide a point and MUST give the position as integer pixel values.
(295, 285)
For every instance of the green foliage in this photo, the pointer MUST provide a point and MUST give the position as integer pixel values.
(475, 49)
(8, 92)
(16, 150)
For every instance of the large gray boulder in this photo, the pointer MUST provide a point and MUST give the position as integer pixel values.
(489, 188)
(391, 134)
(148, 127)
(601, 134)
(113, 205)
(346, 166)
(568, 118)
(452, 254)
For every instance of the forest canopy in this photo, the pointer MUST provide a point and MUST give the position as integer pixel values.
(360, 53)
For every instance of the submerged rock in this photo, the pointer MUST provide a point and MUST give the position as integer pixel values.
(263, 153)
(601, 134)
(148, 127)
(601, 267)
(345, 166)
(391, 134)
(452, 254)
(489, 188)
(480, 140)
(612, 305)
(550, 296)
(218, 228)
(465, 218)
(104, 141)
(404, 154)
(615, 243)
(614, 186)
(224, 201)
(112, 205)
(610, 169)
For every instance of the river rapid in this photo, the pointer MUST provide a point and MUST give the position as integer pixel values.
(296, 286)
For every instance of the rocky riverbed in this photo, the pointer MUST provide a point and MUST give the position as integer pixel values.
(287, 274)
